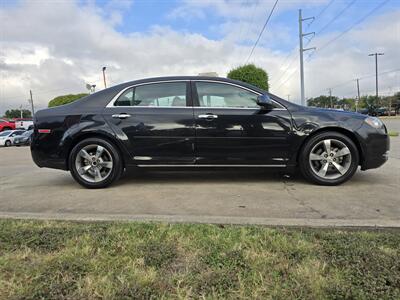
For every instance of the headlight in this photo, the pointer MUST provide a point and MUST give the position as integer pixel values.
(374, 122)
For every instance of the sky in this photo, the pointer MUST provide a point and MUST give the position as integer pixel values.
(56, 47)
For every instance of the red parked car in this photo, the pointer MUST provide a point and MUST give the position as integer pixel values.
(6, 125)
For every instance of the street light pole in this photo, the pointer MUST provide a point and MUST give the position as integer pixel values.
(358, 93)
(104, 77)
(31, 101)
(376, 73)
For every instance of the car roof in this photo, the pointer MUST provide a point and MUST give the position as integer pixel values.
(101, 98)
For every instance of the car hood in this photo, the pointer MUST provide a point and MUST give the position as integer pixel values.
(308, 119)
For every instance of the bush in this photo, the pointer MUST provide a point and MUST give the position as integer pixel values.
(65, 99)
(252, 75)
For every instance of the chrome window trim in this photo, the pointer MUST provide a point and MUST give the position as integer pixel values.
(111, 103)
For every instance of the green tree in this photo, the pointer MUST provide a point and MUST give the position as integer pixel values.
(65, 99)
(16, 113)
(323, 101)
(250, 74)
(367, 101)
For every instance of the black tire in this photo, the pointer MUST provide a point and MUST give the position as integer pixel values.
(117, 163)
(7, 143)
(305, 164)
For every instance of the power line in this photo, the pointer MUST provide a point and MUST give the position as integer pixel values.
(359, 78)
(250, 25)
(323, 10)
(339, 36)
(287, 79)
(337, 16)
(262, 30)
(288, 66)
(350, 28)
(308, 42)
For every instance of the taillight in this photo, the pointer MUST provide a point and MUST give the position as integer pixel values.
(44, 130)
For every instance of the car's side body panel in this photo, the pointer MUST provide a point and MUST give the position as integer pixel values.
(176, 136)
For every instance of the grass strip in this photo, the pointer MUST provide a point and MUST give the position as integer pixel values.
(112, 260)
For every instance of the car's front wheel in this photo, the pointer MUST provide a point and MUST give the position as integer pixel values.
(329, 158)
(7, 143)
(95, 163)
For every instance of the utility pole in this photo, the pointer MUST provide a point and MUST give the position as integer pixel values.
(302, 50)
(288, 97)
(376, 73)
(330, 96)
(358, 93)
(20, 110)
(31, 101)
(104, 77)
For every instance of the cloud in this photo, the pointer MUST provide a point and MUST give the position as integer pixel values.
(236, 10)
(63, 45)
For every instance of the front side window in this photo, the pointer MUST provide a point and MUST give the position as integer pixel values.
(213, 94)
(166, 94)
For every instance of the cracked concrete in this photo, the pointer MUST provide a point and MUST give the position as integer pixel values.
(371, 198)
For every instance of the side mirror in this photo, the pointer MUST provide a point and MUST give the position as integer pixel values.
(264, 100)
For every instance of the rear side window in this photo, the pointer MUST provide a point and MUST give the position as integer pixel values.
(166, 94)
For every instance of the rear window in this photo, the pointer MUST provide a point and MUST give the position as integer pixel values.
(163, 94)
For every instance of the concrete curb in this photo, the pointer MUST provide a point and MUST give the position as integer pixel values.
(367, 223)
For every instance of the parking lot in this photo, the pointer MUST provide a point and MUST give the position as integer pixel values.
(371, 198)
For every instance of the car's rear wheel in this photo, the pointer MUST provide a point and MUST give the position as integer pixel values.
(95, 163)
(7, 143)
(329, 158)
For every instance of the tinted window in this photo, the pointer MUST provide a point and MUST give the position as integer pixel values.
(224, 95)
(156, 94)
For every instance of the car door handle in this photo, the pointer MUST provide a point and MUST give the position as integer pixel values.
(208, 116)
(121, 116)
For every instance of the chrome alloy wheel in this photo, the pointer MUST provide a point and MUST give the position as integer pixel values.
(330, 159)
(94, 163)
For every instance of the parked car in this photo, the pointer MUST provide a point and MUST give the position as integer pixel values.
(7, 137)
(203, 122)
(23, 139)
(6, 125)
(23, 123)
(382, 111)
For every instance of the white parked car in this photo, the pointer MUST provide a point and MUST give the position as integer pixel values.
(7, 137)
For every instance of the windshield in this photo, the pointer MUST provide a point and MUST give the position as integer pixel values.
(5, 133)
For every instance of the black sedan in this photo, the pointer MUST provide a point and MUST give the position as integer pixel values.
(202, 122)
